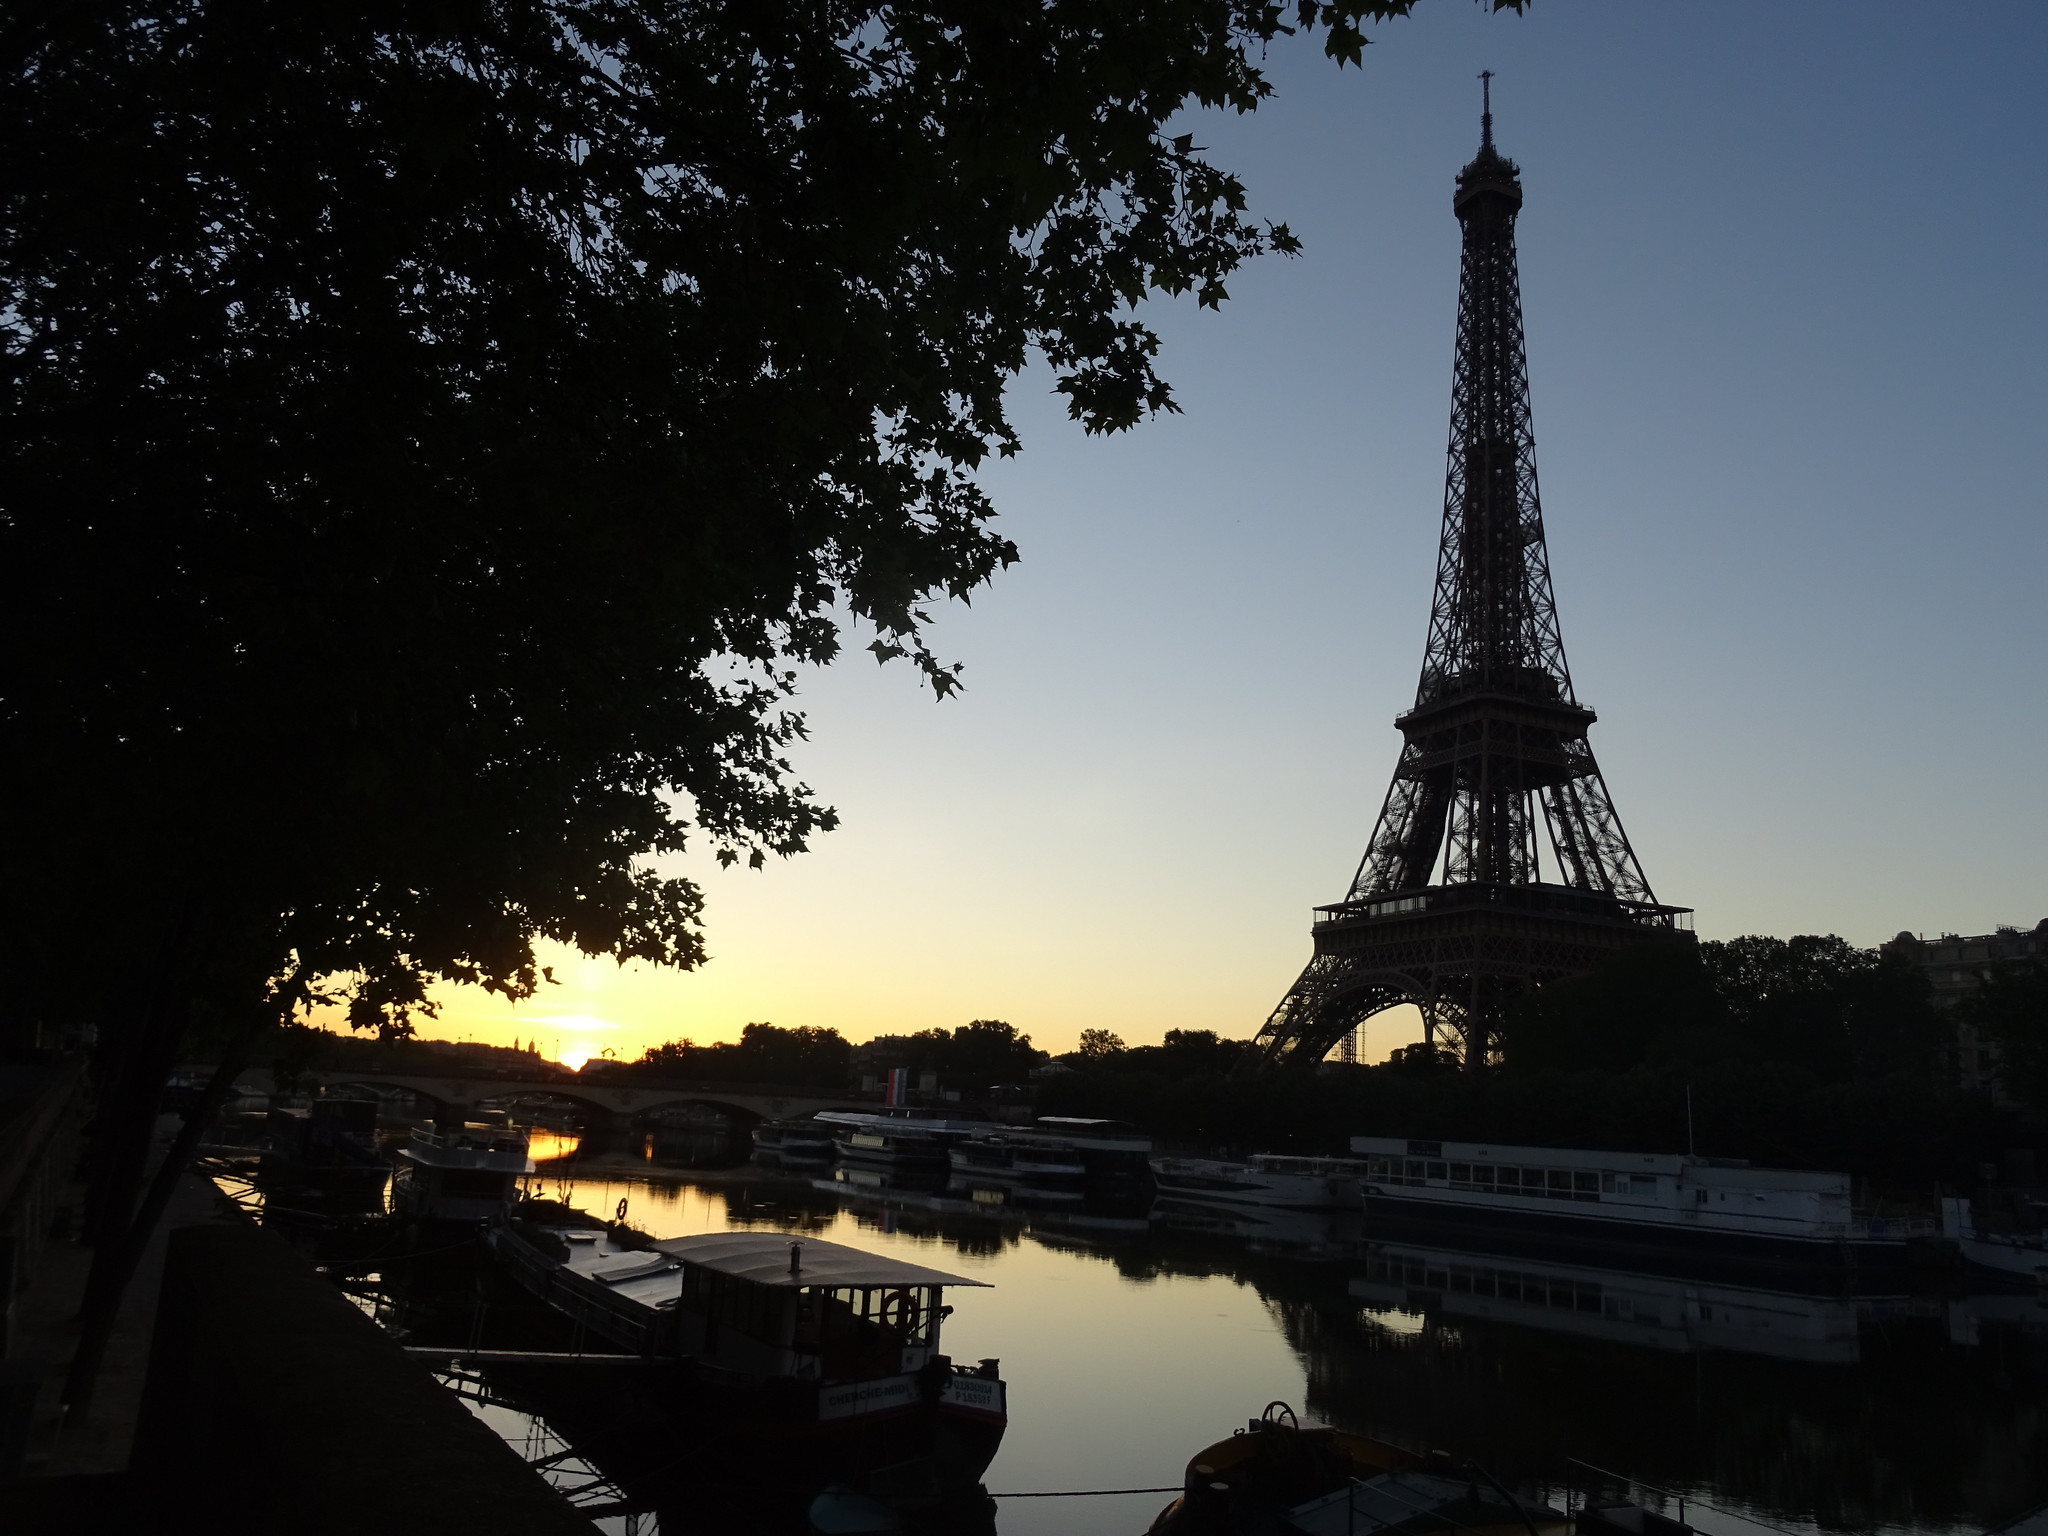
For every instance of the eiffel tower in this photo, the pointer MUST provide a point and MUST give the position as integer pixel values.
(1451, 909)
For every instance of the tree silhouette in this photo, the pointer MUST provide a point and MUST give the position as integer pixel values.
(436, 433)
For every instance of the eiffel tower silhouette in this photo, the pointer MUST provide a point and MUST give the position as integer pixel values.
(1451, 909)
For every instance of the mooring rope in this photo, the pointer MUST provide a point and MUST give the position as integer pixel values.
(1084, 1493)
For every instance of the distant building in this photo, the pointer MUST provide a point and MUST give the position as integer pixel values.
(1956, 965)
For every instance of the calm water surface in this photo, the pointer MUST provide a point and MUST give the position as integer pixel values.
(1129, 1345)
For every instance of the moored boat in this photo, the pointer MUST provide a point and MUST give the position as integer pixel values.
(1266, 1178)
(1280, 1478)
(325, 1156)
(1110, 1151)
(2020, 1256)
(1017, 1157)
(461, 1173)
(793, 1141)
(899, 1138)
(802, 1354)
(1625, 1202)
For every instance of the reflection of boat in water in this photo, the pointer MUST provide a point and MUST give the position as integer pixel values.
(1265, 1229)
(934, 1194)
(900, 1138)
(460, 1173)
(1011, 1188)
(1266, 1179)
(798, 1354)
(794, 1141)
(1647, 1311)
(915, 1183)
(2020, 1256)
(1625, 1202)
(2017, 1311)
(1278, 1478)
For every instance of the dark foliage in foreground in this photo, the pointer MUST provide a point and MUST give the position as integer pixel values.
(433, 434)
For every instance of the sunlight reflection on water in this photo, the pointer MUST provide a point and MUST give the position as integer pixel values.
(545, 1146)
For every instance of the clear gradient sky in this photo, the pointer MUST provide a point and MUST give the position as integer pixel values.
(1785, 278)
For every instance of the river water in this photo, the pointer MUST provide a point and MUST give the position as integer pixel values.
(1130, 1342)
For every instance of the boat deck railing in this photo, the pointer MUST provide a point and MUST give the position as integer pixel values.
(630, 1324)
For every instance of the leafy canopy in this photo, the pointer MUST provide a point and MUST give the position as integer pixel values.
(762, 1054)
(435, 432)
(972, 1058)
(1814, 1001)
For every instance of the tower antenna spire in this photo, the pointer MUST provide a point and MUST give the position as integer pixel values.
(1486, 109)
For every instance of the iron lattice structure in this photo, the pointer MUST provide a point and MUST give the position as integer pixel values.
(1451, 908)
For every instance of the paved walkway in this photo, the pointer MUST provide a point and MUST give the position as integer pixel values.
(46, 1333)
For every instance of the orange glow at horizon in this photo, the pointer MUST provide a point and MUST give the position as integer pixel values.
(597, 1007)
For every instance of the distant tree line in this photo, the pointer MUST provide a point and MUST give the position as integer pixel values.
(1814, 1002)
(818, 1058)
(1183, 1053)
(970, 1060)
(1805, 1051)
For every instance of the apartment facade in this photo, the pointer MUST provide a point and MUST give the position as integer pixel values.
(1956, 965)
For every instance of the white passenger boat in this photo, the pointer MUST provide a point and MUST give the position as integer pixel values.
(1266, 1178)
(1624, 1202)
(460, 1173)
(2018, 1255)
(800, 1348)
(897, 1137)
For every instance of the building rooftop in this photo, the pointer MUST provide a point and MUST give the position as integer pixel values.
(764, 1259)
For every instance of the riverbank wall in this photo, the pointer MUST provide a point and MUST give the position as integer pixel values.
(272, 1403)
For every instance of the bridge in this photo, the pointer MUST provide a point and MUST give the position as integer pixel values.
(462, 1093)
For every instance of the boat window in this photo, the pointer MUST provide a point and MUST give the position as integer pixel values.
(1585, 1186)
(1439, 1171)
(1417, 1171)
(754, 1311)
(903, 1314)
(1482, 1176)
(1628, 1184)
(476, 1183)
(1461, 1175)
(1484, 1280)
(1560, 1184)
(862, 1331)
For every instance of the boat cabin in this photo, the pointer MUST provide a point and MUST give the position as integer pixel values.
(465, 1172)
(768, 1304)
